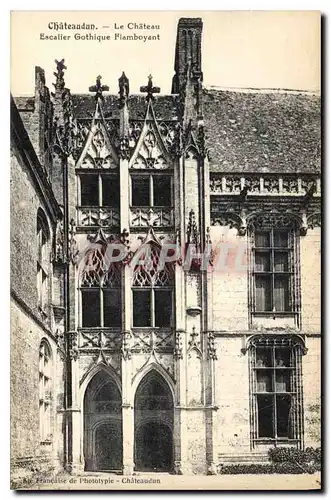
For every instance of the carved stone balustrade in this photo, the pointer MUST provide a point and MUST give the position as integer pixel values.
(151, 217)
(98, 216)
(148, 339)
(264, 184)
(94, 339)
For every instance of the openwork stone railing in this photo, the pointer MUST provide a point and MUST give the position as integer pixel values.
(147, 216)
(264, 184)
(147, 339)
(100, 338)
(98, 216)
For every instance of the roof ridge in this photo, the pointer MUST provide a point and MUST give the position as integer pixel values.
(262, 90)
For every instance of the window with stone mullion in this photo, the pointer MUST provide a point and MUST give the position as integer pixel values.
(100, 289)
(152, 307)
(272, 271)
(151, 190)
(99, 190)
(152, 292)
(276, 390)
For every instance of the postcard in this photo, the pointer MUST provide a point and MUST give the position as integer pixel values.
(165, 250)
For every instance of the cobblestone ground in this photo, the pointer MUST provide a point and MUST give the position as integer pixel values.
(154, 481)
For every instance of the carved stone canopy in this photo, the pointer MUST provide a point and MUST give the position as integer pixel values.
(262, 215)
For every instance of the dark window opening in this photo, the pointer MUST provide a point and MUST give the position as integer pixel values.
(283, 407)
(163, 308)
(162, 191)
(90, 308)
(112, 308)
(140, 192)
(89, 188)
(110, 191)
(265, 416)
(141, 308)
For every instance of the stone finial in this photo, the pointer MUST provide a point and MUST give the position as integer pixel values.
(59, 74)
(98, 88)
(124, 88)
(150, 89)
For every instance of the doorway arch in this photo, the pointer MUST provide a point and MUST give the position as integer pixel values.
(153, 423)
(103, 424)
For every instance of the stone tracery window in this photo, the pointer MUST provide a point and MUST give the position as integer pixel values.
(152, 291)
(274, 267)
(276, 389)
(100, 288)
(45, 391)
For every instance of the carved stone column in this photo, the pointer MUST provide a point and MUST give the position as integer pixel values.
(74, 412)
(127, 405)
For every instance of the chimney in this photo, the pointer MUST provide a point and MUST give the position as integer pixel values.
(188, 48)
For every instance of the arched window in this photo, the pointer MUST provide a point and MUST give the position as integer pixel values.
(45, 391)
(276, 388)
(100, 288)
(42, 261)
(152, 290)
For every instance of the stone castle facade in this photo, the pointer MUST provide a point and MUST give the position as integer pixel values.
(120, 364)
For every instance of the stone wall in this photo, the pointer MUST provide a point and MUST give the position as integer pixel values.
(310, 256)
(311, 370)
(232, 428)
(229, 306)
(26, 336)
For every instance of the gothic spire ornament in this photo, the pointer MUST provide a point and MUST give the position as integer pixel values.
(98, 88)
(59, 74)
(150, 89)
(124, 88)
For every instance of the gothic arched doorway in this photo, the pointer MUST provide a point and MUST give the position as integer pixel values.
(153, 421)
(102, 424)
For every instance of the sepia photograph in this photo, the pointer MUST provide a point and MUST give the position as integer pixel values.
(165, 250)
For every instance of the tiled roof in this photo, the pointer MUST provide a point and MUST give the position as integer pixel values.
(262, 131)
(165, 106)
(246, 131)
